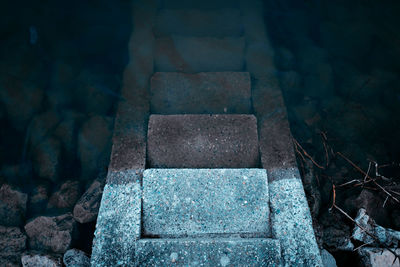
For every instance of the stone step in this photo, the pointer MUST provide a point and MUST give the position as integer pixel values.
(208, 252)
(199, 4)
(200, 23)
(202, 141)
(200, 93)
(205, 202)
(199, 54)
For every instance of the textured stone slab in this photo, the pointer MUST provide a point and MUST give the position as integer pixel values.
(197, 54)
(201, 93)
(276, 145)
(129, 140)
(202, 141)
(190, 202)
(208, 252)
(118, 222)
(291, 220)
(200, 4)
(194, 22)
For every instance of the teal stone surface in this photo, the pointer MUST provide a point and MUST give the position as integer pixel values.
(291, 221)
(208, 252)
(190, 202)
(118, 222)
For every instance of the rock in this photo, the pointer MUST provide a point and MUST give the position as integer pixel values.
(386, 237)
(396, 218)
(311, 58)
(284, 59)
(358, 36)
(51, 233)
(97, 92)
(76, 258)
(61, 92)
(38, 260)
(94, 145)
(336, 234)
(47, 157)
(377, 257)
(327, 259)
(66, 196)
(337, 239)
(42, 126)
(38, 199)
(16, 174)
(290, 81)
(311, 188)
(21, 99)
(66, 131)
(87, 207)
(372, 202)
(320, 83)
(12, 206)
(13, 243)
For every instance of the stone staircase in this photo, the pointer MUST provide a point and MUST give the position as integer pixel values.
(202, 170)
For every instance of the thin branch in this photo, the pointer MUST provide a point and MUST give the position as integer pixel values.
(307, 155)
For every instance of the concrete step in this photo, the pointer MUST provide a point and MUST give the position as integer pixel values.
(199, 23)
(199, 4)
(199, 54)
(201, 93)
(205, 202)
(202, 141)
(208, 252)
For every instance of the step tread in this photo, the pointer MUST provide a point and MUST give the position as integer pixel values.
(202, 141)
(198, 54)
(195, 22)
(208, 252)
(192, 202)
(200, 93)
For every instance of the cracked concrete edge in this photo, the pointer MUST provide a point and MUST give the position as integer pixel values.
(291, 219)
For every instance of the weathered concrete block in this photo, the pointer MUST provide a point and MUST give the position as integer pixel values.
(201, 93)
(208, 252)
(291, 220)
(202, 141)
(197, 54)
(180, 202)
(118, 222)
(191, 22)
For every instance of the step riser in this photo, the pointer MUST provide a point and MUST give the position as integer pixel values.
(199, 4)
(191, 54)
(202, 141)
(191, 22)
(208, 252)
(202, 93)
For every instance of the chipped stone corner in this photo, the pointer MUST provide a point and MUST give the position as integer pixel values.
(119, 220)
(291, 219)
